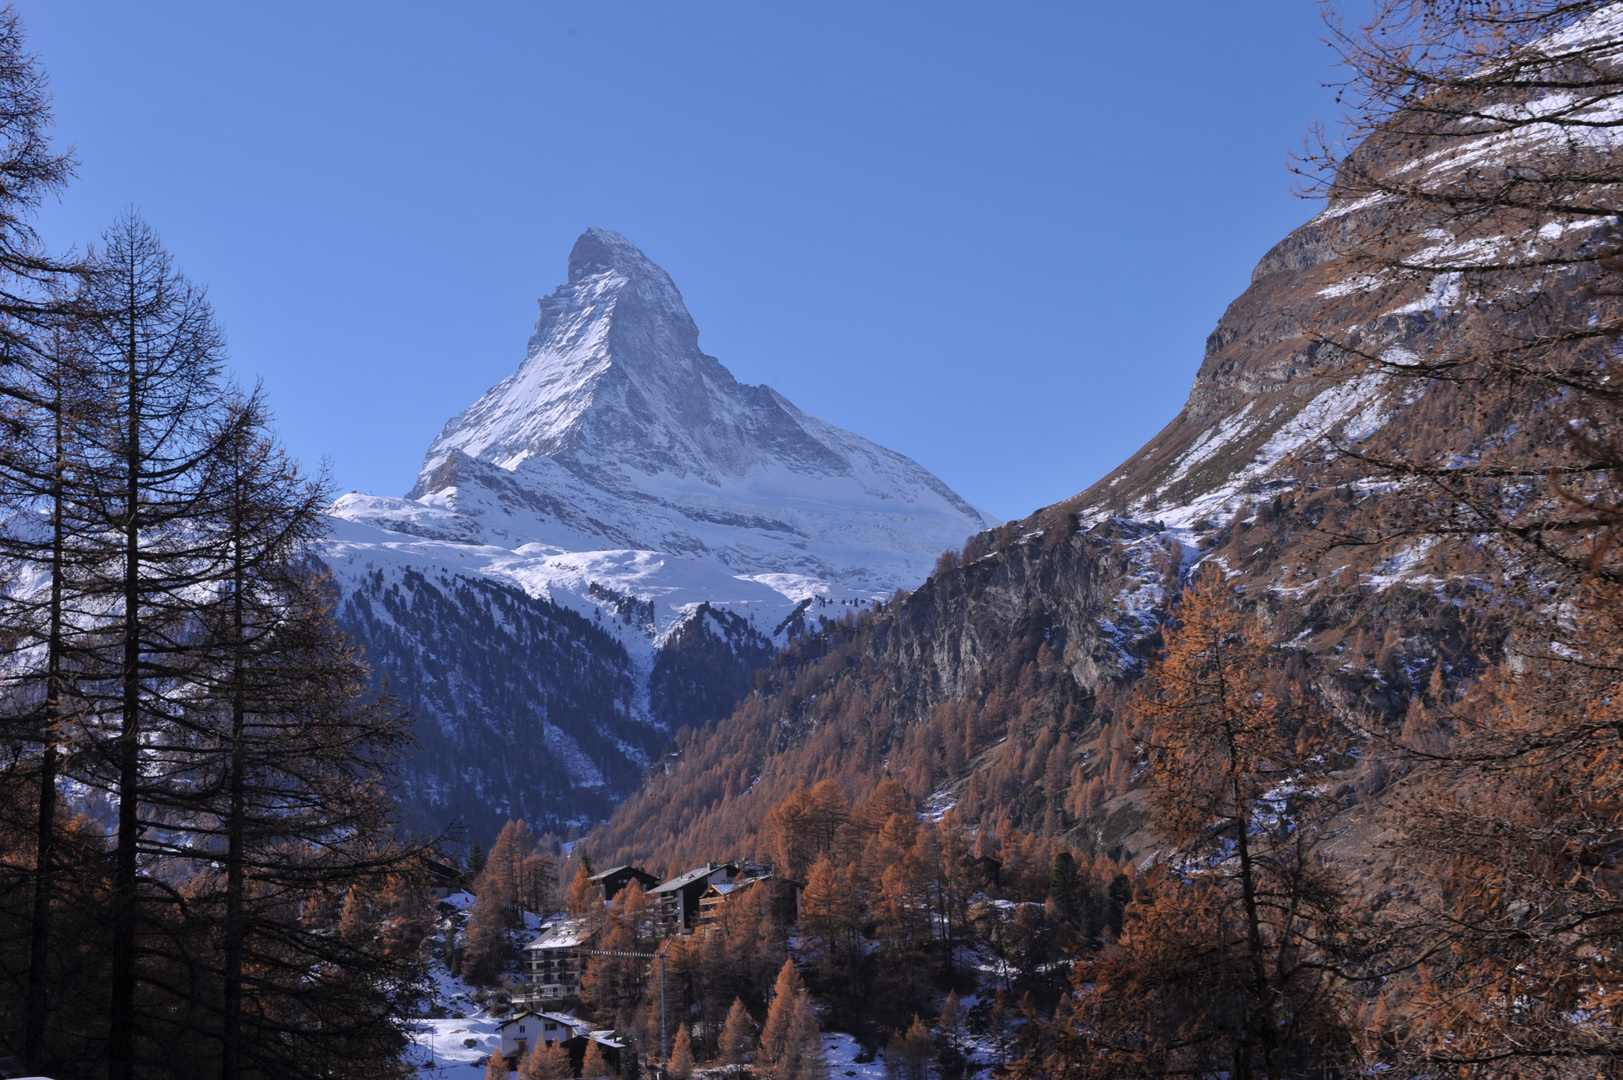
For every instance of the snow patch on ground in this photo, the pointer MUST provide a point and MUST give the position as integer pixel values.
(841, 1050)
(1402, 566)
(1210, 442)
(439, 1046)
(1357, 400)
(937, 805)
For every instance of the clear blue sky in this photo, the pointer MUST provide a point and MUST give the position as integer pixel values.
(993, 237)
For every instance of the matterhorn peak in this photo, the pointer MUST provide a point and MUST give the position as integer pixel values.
(624, 475)
(602, 250)
(618, 432)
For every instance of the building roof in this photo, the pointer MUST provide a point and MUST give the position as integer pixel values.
(575, 1025)
(722, 888)
(624, 868)
(563, 934)
(692, 877)
(441, 871)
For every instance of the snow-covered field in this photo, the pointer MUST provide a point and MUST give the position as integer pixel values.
(440, 1046)
(841, 1051)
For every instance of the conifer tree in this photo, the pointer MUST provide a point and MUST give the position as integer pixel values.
(486, 942)
(831, 920)
(805, 1059)
(1227, 969)
(517, 873)
(39, 397)
(529, 1066)
(628, 928)
(215, 700)
(778, 1033)
(594, 1064)
(916, 1051)
(39, 471)
(736, 1034)
(286, 751)
(949, 1035)
(583, 898)
(546, 1060)
(496, 1066)
(157, 354)
(1510, 794)
(496, 912)
(553, 1062)
(681, 1065)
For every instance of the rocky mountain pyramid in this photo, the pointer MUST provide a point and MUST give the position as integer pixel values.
(607, 544)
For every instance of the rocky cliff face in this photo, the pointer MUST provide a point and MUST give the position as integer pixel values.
(607, 545)
(994, 686)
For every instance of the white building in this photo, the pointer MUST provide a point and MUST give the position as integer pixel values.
(555, 960)
(525, 1029)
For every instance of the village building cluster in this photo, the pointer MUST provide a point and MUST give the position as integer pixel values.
(555, 960)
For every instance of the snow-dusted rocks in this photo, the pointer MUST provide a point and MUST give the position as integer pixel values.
(618, 433)
(615, 487)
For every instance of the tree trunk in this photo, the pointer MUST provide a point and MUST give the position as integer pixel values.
(121, 1031)
(230, 1033)
(39, 1005)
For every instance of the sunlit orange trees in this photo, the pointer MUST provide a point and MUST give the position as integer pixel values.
(1225, 961)
(1515, 814)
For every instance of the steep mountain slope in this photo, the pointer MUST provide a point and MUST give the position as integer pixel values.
(995, 687)
(607, 544)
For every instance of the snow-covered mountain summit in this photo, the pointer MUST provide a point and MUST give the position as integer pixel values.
(618, 432)
(607, 543)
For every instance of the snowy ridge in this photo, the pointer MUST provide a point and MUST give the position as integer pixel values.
(618, 435)
(625, 476)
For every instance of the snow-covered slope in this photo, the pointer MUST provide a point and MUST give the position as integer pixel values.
(618, 434)
(622, 476)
